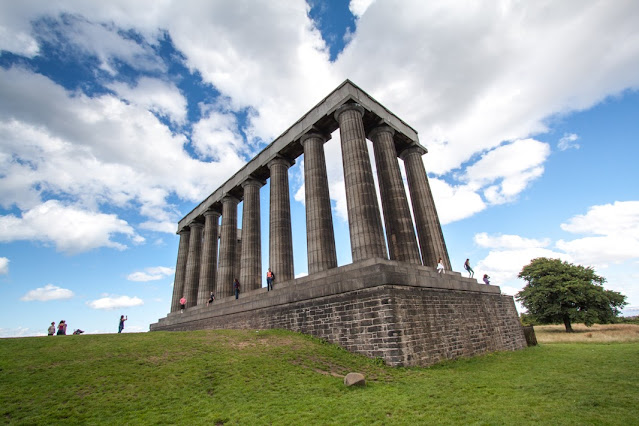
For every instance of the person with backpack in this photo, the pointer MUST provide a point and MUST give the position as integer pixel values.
(270, 276)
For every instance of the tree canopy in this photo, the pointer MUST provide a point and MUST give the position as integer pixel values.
(560, 292)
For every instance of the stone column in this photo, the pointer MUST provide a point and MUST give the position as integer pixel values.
(192, 279)
(320, 237)
(364, 222)
(237, 262)
(180, 269)
(208, 265)
(429, 230)
(228, 237)
(251, 263)
(400, 233)
(280, 234)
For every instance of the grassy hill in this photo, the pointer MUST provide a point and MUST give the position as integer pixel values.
(280, 377)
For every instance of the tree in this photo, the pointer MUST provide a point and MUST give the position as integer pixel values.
(559, 292)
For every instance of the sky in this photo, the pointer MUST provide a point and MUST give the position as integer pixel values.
(118, 118)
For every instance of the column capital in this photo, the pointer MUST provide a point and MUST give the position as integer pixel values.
(184, 230)
(196, 225)
(348, 107)
(413, 149)
(313, 135)
(280, 160)
(251, 181)
(212, 213)
(379, 129)
(230, 198)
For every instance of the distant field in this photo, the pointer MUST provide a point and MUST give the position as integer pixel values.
(607, 333)
(284, 378)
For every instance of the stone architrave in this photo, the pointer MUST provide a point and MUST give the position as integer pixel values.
(320, 237)
(429, 230)
(251, 259)
(400, 233)
(364, 222)
(228, 239)
(192, 279)
(280, 233)
(208, 264)
(180, 269)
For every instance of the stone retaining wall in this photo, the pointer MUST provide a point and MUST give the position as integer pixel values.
(406, 315)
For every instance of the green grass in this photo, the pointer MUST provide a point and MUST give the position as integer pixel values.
(279, 377)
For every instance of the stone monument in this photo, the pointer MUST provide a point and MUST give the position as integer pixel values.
(390, 302)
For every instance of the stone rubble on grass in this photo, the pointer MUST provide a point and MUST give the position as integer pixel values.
(354, 379)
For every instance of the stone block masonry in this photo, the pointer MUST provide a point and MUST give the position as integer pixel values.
(407, 315)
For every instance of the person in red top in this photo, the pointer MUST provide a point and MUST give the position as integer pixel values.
(270, 276)
(182, 304)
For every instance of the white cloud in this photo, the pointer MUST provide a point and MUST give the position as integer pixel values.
(216, 136)
(155, 95)
(4, 266)
(455, 202)
(358, 7)
(46, 293)
(471, 76)
(512, 166)
(616, 234)
(167, 227)
(568, 141)
(503, 266)
(19, 332)
(134, 160)
(69, 228)
(508, 241)
(151, 274)
(115, 302)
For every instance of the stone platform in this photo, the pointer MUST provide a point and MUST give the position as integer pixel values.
(407, 315)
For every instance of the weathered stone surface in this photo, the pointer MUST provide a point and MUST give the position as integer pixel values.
(400, 234)
(320, 237)
(429, 230)
(354, 379)
(364, 220)
(180, 269)
(404, 314)
(280, 233)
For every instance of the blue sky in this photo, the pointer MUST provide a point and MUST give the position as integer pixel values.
(118, 118)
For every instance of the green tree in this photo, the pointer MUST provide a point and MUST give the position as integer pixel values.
(559, 292)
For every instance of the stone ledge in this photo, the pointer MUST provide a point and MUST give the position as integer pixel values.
(356, 276)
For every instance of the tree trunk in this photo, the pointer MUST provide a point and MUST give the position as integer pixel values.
(568, 325)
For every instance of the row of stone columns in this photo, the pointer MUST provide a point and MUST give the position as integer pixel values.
(199, 271)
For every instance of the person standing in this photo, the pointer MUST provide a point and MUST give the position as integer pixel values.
(51, 329)
(467, 267)
(182, 304)
(236, 287)
(62, 329)
(121, 325)
(440, 266)
(270, 276)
